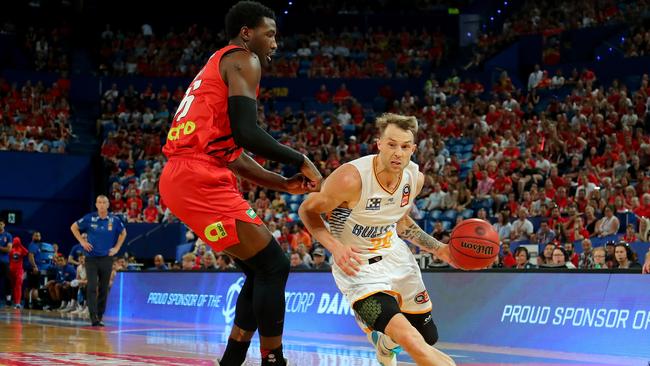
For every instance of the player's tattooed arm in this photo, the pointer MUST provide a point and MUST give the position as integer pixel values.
(409, 230)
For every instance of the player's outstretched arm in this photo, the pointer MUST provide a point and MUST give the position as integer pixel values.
(247, 168)
(341, 187)
(409, 230)
(242, 72)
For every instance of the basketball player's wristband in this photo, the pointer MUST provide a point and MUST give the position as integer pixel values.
(242, 112)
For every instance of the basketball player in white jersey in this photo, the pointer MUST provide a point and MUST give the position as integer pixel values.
(369, 200)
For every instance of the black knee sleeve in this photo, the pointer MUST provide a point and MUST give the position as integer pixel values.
(425, 325)
(377, 310)
(244, 314)
(271, 271)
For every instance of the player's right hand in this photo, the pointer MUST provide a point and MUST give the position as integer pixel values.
(347, 258)
(646, 267)
(309, 170)
(87, 246)
(298, 184)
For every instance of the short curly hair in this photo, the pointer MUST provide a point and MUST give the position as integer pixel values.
(246, 13)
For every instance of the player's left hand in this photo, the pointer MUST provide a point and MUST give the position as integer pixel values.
(443, 253)
(112, 251)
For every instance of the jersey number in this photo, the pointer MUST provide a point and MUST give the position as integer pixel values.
(186, 103)
(381, 242)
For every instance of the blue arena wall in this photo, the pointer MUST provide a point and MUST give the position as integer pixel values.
(570, 312)
(50, 190)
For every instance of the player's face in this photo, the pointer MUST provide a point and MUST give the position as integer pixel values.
(395, 148)
(263, 41)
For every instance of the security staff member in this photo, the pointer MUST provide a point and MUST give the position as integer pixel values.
(106, 233)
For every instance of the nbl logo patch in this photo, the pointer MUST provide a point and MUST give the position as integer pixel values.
(422, 297)
(373, 204)
(480, 231)
(406, 195)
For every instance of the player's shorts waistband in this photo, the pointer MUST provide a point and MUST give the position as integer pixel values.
(199, 157)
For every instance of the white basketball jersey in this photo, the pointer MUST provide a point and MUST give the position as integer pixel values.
(371, 225)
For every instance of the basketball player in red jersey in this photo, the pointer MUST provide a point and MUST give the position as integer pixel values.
(215, 122)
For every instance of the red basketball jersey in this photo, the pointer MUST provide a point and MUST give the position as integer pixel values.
(201, 124)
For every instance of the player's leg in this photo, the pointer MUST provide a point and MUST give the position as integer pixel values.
(262, 254)
(381, 312)
(405, 334)
(245, 323)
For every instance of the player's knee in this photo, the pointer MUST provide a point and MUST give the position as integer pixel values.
(270, 265)
(377, 310)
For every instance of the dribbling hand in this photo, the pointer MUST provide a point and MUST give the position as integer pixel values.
(646, 268)
(347, 258)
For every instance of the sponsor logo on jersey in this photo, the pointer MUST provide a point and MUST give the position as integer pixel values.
(370, 231)
(251, 213)
(422, 297)
(406, 195)
(478, 248)
(390, 201)
(215, 231)
(373, 204)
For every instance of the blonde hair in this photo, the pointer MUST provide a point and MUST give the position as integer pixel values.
(408, 123)
(190, 256)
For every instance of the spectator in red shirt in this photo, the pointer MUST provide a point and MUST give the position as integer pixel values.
(323, 95)
(342, 94)
(578, 232)
(152, 213)
(630, 235)
(117, 203)
(134, 214)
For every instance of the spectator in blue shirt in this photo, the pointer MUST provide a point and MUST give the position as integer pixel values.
(159, 264)
(76, 251)
(106, 233)
(5, 246)
(59, 288)
(38, 261)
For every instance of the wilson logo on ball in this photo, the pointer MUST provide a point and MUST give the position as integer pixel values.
(479, 230)
(478, 248)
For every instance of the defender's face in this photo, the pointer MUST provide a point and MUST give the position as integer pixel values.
(263, 42)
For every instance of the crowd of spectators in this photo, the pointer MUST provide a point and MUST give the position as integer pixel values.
(573, 162)
(34, 117)
(550, 18)
(348, 53)
(637, 43)
(41, 48)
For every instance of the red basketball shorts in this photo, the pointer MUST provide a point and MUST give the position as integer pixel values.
(205, 197)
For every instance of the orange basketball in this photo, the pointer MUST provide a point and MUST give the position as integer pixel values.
(474, 244)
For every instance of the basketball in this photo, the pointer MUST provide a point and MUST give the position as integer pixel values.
(474, 244)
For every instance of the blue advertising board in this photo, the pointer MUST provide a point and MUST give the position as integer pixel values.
(570, 312)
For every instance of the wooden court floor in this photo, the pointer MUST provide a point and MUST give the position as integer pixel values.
(33, 337)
